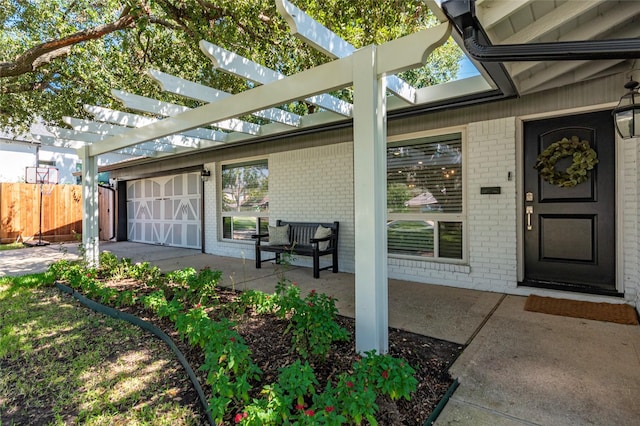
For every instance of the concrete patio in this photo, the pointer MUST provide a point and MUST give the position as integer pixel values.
(517, 368)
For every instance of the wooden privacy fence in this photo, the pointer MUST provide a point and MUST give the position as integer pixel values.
(20, 212)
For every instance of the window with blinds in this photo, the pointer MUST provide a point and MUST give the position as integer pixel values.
(425, 197)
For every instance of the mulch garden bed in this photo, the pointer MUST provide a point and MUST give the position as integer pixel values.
(271, 349)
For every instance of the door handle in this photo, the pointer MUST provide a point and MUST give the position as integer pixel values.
(529, 212)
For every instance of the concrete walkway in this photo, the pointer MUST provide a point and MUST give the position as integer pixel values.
(517, 368)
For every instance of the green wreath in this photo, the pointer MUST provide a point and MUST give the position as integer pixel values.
(584, 159)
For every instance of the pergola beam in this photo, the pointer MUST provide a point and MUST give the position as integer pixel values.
(326, 41)
(452, 89)
(414, 49)
(76, 145)
(247, 69)
(177, 141)
(74, 135)
(107, 115)
(101, 128)
(324, 78)
(167, 109)
(57, 142)
(327, 77)
(106, 129)
(119, 118)
(200, 92)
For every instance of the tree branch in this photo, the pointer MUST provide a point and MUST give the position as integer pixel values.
(34, 86)
(44, 53)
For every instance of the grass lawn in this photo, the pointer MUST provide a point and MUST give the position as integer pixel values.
(11, 246)
(61, 363)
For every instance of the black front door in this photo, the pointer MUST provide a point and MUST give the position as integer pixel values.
(569, 232)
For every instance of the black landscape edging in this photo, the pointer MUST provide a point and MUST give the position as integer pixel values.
(436, 412)
(114, 313)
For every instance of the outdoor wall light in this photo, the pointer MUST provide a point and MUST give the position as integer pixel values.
(627, 112)
(205, 174)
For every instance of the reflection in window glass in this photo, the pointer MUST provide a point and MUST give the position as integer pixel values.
(243, 227)
(245, 187)
(245, 199)
(412, 237)
(450, 239)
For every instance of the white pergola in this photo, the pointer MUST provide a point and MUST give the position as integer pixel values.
(370, 71)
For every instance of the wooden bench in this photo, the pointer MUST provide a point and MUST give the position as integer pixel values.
(300, 240)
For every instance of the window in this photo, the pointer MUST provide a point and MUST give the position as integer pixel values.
(245, 199)
(425, 197)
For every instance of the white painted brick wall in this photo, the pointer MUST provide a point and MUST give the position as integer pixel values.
(491, 219)
(310, 185)
(315, 185)
(632, 287)
(628, 202)
(491, 155)
(630, 194)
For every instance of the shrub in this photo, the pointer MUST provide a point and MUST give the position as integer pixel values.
(154, 300)
(355, 399)
(261, 302)
(196, 287)
(111, 267)
(126, 298)
(114, 269)
(387, 375)
(181, 276)
(227, 362)
(297, 382)
(170, 310)
(312, 320)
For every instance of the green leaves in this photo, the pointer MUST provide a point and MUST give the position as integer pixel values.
(390, 376)
(583, 156)
(312, 320)
(165, 35)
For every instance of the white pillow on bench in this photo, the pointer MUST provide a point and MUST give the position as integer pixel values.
(322, 232)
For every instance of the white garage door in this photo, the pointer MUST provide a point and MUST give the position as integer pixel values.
(165, 210)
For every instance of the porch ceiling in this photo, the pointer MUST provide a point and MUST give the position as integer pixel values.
(515, 22)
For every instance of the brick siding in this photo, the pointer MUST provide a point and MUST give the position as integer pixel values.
(316, 184)
(491, 219)
(312, 184)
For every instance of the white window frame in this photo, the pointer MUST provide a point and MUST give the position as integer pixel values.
(260, 218)
(434, 216)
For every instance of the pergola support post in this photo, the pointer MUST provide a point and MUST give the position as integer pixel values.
(90, 224)
(370, 203)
